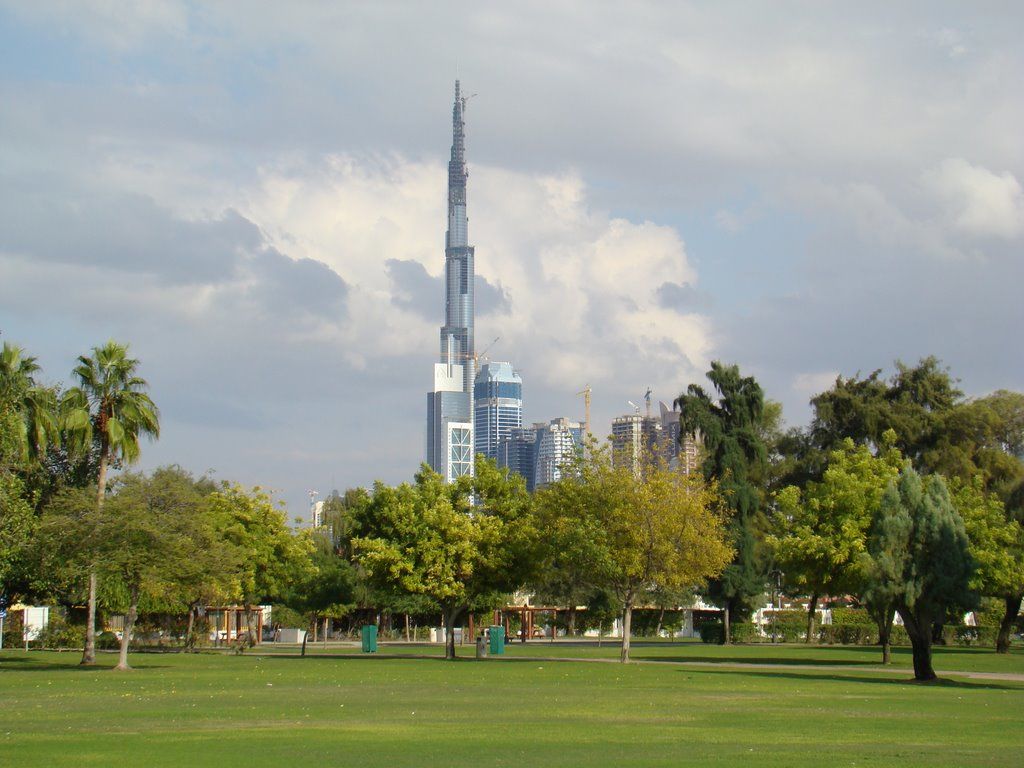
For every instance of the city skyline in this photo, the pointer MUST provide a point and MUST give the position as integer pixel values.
(252, 201)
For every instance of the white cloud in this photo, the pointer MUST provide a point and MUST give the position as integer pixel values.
(579, 282)
(978, 201)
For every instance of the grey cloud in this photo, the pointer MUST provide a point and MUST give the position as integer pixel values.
(684, 299)
(414, 289)
(287, 285)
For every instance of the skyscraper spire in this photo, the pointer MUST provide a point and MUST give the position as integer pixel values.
(450, 403)
(457, 343)
(458, 234)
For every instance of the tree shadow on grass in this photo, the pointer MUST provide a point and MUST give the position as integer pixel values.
(781, 660)
(31, 663)
(890, 680)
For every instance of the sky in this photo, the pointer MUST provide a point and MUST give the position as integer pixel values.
(252, 195)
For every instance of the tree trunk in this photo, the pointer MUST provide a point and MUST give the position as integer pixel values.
(661, 620)
(407, 628)
(811, 610)
(190, 638)
(452, 616)
(570, 626)
(919, 629)
(305, 637)
(725, 625)
(885, 640)
(89, 652)
(1006, 625)
(129, 625)
(627, 626)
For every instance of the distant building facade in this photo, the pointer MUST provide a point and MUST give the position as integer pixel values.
(633, 434)
(557, 443)
(518, 452)
(497, 406)
(539, 452)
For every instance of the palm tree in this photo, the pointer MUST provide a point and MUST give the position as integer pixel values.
(110, 406)
(28, 409)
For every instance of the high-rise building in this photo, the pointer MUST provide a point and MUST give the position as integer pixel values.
(497, 406)
(556, 444)
(450, 403)
(660, 435)
(518, 453)
(680, 450)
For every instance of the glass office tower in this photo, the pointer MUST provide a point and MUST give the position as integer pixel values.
(497, 406)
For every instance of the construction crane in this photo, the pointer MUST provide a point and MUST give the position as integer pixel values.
(647, 399)
(586, 406)
(483, 355)
(634, 406)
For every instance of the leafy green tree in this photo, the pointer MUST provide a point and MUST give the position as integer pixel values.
(427, 538)
(327, 591)
(820, 534)
(997, 546)
(732, 428)
(17, 526)
(920, 559)
(639, 531)
(268, 556)
(574, 541)
(109, 404)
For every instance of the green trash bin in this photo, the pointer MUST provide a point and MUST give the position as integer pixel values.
(369, 637)
(497, 641)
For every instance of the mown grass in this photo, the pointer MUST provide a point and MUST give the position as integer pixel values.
(949, 658)
(260, 708)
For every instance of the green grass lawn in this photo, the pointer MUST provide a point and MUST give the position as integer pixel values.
(270, 709)
(952, 658)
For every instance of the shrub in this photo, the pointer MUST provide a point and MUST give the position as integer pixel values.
(711, 632)
(58, 633)
(744, 632)
(107, 641)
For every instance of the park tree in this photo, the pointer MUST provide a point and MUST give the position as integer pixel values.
(108, 407)
(646, 530)
(573, 544)
(142, 543)
(732, 428)
(153, 529)
(820, 533)
(428, 538)
(920, 559)
(996, 539)
(268, 557)
(326, 590)
(17, 527)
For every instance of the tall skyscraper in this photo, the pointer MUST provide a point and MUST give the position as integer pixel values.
(450, 403)
(497, 406)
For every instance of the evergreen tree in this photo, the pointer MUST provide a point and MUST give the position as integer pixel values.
(732, 430)
(920, 559)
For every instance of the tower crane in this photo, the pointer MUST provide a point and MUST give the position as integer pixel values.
(647, 399)
(634, 406)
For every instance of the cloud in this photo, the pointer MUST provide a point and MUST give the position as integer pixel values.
(413, 288)
(978, 201)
